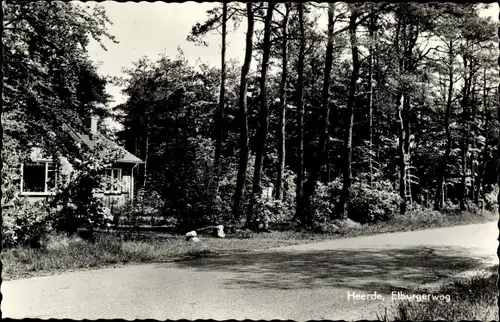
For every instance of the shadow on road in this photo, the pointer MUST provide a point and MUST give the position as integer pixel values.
(369, 270)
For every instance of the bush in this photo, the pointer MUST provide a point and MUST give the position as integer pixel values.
(270, 211)
(148, 203)
(421, 216)
(378, 202)
(490, 199)
(126, 214)
(244, 234)
(323, 203)
(25, 224)
(75, 204)
(188, 191)
(146, 209)
(223, 210)
(70, 213)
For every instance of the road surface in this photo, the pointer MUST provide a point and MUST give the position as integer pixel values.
(310, 281)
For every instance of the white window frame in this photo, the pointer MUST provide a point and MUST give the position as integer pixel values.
(45, 191)
(109, 188)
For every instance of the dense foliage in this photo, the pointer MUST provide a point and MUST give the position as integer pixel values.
(49, 82)
(390, 108)
(423, 97)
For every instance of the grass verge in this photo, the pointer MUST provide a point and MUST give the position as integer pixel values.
(61, 253)
(471, 298)
(420, 220)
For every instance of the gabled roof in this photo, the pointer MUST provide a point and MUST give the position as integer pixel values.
(90, 142)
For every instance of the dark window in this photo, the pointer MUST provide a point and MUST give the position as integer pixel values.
(40, 177)
(34, 177)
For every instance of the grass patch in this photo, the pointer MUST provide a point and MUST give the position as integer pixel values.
(417, 220)
(471, 298)
(62, 253)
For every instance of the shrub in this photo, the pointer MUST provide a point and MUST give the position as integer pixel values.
(378, 202)
(146, 209)
(323, 203)
(126, 214)
(244, 234)
(421, 216)
(188, 192)
(289, 195)
(148, 203)
(269, 211)
(451, 208)
(75, 204)
(490, 199)
(223, 210)
(472, 207)
(25, 224)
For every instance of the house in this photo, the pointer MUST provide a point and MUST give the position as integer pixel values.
(41, 175)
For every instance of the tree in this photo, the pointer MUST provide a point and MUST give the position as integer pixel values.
(498, 183)
(220, 116)
(49, 78)
(347, 156)
(438, 201)
(310, 185)
(242, 103)
(395, 98)
(370, 103)
(49, 75)
(301, 112)
(264, 114)
(217, 19)
(283, 103)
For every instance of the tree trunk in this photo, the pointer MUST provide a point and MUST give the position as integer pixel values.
(498, 197)
(310, 184)
(473, 169)
(282, 119)
(402, 154)
(220, 112)
(347, 158)
(242, 103)
(406, 124)
(264, 115)
(465, 138)
(301, 112)
(399, 102)
(135, 146)
(376, 108)
(370, 101)
(442, 169)
(146, 157)
(480, 184)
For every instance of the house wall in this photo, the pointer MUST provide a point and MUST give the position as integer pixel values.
(110, 199)
(33, 199)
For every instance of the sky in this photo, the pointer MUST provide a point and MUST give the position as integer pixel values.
(151, 28)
